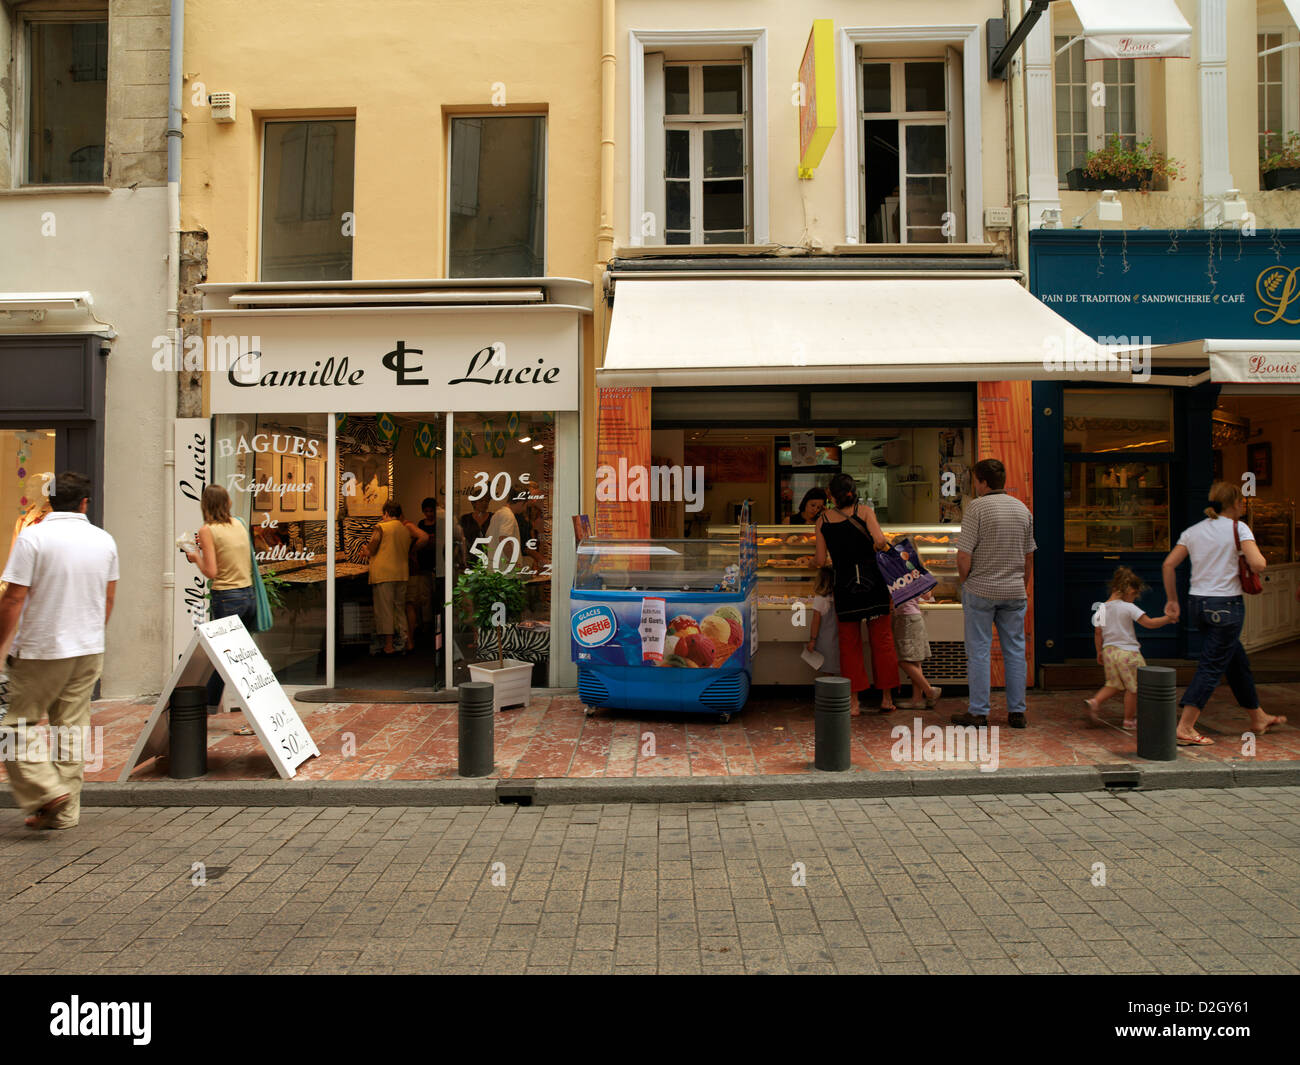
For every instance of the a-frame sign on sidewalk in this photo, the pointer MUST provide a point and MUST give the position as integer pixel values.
(226, 646)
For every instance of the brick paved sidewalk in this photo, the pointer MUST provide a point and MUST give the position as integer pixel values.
(1195, 882)
(773, 735)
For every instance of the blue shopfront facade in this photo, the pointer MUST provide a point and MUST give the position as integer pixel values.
(1131, 463)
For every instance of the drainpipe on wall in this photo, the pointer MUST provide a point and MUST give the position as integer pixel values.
(1019, 155)
(605, 233)
(170, 379)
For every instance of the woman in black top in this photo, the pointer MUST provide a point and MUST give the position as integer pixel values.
(851, 535)
(810, 507)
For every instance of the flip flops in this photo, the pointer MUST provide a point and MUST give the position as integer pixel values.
(1197, 741)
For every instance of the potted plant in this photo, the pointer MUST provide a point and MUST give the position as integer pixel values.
(1279, 166)
(1117, 166)
(493, 599)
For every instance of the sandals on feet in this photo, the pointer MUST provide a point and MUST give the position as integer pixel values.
(45, 815)
(1196, 740)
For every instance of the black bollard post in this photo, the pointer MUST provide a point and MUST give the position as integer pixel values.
(831, 721)
(187, 732)
(1157, 714)
(477, 729)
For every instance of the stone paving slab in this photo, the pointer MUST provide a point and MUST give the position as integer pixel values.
(1170, 881)
(552, 739)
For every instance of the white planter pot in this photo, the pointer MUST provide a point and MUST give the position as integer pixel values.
(512, 684)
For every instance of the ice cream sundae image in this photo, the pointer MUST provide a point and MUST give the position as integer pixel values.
(704, 643)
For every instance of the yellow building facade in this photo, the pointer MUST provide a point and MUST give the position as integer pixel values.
(392, 219)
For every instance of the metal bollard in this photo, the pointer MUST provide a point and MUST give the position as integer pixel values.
(1157, 714)
(831, 696)
(477, 729)
(187, 732)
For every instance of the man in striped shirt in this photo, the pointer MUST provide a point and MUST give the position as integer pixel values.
(995, 560)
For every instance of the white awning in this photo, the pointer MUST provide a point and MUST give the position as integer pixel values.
(1293, 8)
(1133, 29)
(713, 333)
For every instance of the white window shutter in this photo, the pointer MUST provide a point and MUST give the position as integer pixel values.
(650, 228)
(956, 143)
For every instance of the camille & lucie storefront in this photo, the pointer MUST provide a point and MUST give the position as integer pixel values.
(328, 400)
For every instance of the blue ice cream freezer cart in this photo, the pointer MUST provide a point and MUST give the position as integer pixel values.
(665, 625)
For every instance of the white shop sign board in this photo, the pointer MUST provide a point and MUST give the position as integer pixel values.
(418, 361)
(226, 646)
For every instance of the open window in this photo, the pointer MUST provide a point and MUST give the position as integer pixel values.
(911, 150)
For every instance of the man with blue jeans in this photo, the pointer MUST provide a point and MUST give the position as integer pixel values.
(995, 560)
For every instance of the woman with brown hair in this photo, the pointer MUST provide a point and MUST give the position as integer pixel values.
(225, 557)
(1216, 605)
(850, 534)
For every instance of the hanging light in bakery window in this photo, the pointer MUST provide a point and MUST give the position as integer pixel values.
(1227, 428)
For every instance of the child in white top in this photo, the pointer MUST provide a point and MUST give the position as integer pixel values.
(1117, 644)
(824, 628)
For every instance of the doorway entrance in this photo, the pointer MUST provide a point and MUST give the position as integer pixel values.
(389, 581)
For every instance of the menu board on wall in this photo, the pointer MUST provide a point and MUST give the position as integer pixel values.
(1006, 433)
(622, 444)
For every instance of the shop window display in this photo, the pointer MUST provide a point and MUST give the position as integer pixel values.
(502, 489)
(1118, 444)
(274, 467)
(28, 457)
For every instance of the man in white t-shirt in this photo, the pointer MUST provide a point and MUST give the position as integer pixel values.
(505, 526)
(62, 578)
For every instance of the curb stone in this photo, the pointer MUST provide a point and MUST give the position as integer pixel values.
(489, 791)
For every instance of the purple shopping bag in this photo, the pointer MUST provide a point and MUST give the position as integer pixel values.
(904, 573)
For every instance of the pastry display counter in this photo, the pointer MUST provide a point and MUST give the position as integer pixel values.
(786, 576)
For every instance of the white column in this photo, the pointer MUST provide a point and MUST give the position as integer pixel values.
(1212, 69)
(1040, 108)
(331, 536)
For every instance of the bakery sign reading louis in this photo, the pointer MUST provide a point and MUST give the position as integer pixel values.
(298, 372)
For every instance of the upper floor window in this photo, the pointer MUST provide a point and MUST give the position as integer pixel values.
(497, 197)
(307, 172)
(1094, 101)
(705, 154)
(65, 113)
(698, 188)
(1278, 90)
(912, 161)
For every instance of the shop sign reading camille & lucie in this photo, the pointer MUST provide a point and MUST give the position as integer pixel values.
(463, 362)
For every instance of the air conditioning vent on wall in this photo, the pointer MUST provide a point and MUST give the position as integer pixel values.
(222, 105)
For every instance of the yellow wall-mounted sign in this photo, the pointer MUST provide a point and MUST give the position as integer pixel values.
(816, 89)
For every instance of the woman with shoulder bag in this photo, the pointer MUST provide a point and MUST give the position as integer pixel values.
(1225, 564)
(850, 534)
(225, 557)
(389, 553)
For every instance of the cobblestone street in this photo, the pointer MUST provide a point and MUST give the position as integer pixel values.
(1194, 881)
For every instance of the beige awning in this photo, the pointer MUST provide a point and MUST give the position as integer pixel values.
(711, 333)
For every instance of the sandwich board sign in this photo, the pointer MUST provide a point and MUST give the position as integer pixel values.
(226, 646)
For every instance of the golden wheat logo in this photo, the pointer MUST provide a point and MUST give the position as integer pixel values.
(1277, 288)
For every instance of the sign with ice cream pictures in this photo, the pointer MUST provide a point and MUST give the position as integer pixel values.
(669, 634)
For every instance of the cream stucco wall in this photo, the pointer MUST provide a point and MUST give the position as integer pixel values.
(788, 26)
(399, 67)
(113, 245)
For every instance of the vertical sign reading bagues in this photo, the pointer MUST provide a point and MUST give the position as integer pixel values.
(1006, 432)
(193, 473)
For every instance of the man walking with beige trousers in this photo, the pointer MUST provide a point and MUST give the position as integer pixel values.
(62, 577)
